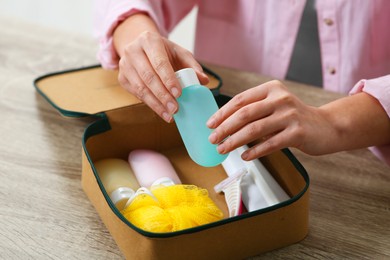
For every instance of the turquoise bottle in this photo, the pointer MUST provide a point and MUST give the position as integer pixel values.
(196, 106)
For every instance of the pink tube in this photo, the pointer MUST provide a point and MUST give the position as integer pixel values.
(150, 167)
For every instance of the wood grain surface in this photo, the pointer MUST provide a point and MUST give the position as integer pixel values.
(44, 213)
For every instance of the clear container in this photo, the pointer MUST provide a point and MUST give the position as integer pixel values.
(196, 106)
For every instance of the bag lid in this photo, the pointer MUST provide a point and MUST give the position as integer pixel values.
(92, 90)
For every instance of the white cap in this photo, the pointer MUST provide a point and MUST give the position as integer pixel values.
(187, 77)
(140, 191)
(120, 194)
(163, 181)
(233, 162)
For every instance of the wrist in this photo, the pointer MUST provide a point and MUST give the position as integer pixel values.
(130, 29)
(337, 137)
(358, 121)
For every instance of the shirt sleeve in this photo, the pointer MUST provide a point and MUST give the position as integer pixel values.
(379, 88)
(108, 14)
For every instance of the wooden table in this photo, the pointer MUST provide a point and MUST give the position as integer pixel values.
(45, 214)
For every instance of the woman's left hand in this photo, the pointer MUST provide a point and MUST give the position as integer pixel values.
(272, 115)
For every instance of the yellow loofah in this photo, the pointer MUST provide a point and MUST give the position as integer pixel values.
(177, 207)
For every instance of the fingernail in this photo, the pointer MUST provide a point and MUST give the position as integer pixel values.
(244, 155)
(211, 122)
(166, 117)
(175, 92)
(221, 148)
(171, 108)
(213, 138)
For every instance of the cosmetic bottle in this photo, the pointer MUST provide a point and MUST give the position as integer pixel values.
(118, 180)
(196, 106)
(163, 203)
(152, 168)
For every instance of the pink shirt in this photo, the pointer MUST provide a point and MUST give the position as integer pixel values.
(259, 36)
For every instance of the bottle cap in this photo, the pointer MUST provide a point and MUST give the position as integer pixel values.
(187, 77)
(121, 194)
(163, 181)
(140, 191)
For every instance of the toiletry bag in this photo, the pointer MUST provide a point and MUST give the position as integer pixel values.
(124, 123)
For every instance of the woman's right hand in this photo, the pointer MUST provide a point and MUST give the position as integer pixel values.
(147, 70)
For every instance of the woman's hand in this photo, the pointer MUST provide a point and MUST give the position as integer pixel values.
(272, 115)
(148, 62)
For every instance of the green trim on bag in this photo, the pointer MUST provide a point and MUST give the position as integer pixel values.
(103, 125)
(64, 112)
(76, 114)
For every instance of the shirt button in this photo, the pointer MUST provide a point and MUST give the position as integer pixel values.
(332, 71)
(328, 21)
